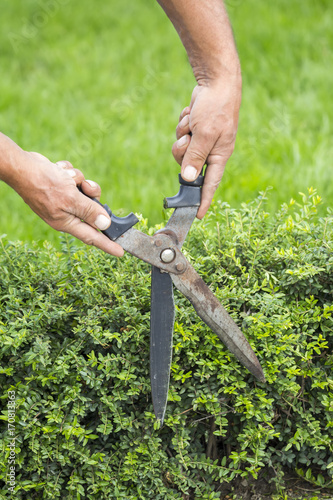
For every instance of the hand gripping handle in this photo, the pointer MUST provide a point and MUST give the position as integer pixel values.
(119, 225)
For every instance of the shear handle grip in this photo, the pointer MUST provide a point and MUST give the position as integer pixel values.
(119, 225)
(189, 194)
(197, 183)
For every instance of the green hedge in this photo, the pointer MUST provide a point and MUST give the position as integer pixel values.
(74, 329)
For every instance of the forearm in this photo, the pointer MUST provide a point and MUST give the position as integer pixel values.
(10, 156)
(205, 31)
(207, 128)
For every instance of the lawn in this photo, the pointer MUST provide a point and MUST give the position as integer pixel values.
(102, 85)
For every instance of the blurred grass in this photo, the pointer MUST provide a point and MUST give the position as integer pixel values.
(102, 85)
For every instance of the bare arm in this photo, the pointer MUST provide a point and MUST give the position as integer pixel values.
(50, 189)
(212, 116)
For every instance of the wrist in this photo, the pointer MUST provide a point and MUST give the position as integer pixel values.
(11, 156)
(220, 69)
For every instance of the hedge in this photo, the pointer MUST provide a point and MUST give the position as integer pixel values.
(74, 359)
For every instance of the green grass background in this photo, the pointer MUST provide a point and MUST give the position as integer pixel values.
(102, 85)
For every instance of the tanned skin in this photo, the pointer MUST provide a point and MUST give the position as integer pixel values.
(206, 132)
(207, 128)
(50, 189)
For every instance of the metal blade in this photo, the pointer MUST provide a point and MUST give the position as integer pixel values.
(163, 313)
(180, 223)
(216, 317)
(162, 318)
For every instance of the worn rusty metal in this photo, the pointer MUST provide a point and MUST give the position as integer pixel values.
(179, 224)
(189, 282)
(162, 251)
(151, 249)
(143, 246)
(180, 267)
(217, 318)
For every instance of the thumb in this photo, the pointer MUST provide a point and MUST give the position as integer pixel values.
(92, 213)
(195, 158)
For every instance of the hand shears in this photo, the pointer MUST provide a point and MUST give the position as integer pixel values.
(169, 266)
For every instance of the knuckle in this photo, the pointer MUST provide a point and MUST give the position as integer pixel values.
(228, 149)
(56, 209)
(185, 111)
(206, 131)
(88, 212)
(224, 129)
(210, 187)
(216, 141)
(89, 240)
(180, 130)
(57, 218)
(64, 164)
(197, 154)
(214, 185)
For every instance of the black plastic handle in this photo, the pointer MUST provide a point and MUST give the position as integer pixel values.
(119, 225)
(198, 182)
(189, 194)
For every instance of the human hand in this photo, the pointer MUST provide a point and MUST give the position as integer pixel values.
(206, 133)
(50, 190)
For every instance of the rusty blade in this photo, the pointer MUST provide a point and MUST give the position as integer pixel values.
(180, 223)
(216, 317)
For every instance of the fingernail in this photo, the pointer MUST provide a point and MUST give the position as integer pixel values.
(102, 222)
(62, 164)
(184, 121)
(190, 173)
(182, 141)
(91, 183)
(71, 172)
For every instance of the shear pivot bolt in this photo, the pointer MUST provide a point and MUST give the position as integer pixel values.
(168, 255)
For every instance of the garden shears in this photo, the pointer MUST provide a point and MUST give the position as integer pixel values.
(170, 267)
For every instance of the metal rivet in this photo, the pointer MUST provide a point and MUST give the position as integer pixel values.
(168, 255)
(158, 242)
(180, 266)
